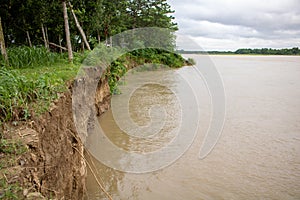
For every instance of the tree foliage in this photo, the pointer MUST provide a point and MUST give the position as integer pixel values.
(263, 51)
(269, 51)
(23, 20)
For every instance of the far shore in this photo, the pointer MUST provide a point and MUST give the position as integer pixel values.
(224, 54)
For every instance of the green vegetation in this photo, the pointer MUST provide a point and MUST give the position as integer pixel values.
(35, 68)
(32, 85)
(11, 147)
(25, 57)
(20, 88)
(9, 191)
(27, 89)
(31, 76)
(190, 61)
(263, 51)
(117, 68)
(41, 22)
(143, 56)
(10, 150)
(116, 71)
(159, 56)
(269, 51)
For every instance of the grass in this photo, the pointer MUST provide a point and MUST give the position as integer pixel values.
(32, 81)
(23, 89)
(24, 57)
(140, 57)
(9, 191)
(10, 150)
(35, 76)
(11, 147)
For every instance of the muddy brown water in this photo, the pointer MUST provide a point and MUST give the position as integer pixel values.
(257, 155)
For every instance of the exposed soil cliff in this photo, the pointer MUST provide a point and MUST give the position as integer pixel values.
(103, 97)
(54, 165)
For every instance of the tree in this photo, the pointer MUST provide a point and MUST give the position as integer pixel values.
(67, 30)
(37, 22)
(150, 13)
(97, 19)
(2, 43)
(113, 18)
(79, 28)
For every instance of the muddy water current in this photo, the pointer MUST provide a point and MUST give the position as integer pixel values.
(257, 155)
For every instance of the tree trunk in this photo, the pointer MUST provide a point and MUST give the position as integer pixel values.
(111, 42)
(99, 37)
(44, 37)
(82, 47)
(27, 34)
(2, 44)
(47, 39)
(67, 30)
(59, 42)
(28, 38)
(59, 46)
(80, 28)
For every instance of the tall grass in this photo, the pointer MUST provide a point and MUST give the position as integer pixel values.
(24, 57)
(18, 92)
(32, 80)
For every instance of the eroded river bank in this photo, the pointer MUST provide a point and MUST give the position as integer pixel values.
(257, 155)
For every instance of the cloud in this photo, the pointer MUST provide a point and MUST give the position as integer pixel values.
(266, 23)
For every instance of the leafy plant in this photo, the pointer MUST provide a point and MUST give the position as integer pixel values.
(11, 147)
(23, 89)
(190, 61)
(24, 57)
(9, 191)
(116, 71)
(157, 57)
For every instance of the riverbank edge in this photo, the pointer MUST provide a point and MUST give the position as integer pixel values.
(53, 165)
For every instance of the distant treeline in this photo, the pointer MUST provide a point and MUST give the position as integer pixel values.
(263, 51)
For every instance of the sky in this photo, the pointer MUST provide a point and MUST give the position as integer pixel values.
(233, 24)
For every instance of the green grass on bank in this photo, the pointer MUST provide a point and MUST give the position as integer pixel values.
(32, 80)
(140, 57)
(25, 57)
(35, 76)
(24, 89)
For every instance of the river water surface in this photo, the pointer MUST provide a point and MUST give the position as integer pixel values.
(257, 155)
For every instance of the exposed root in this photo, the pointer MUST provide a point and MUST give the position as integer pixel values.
(95, 176)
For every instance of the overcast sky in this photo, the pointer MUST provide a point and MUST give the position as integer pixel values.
(233, 24)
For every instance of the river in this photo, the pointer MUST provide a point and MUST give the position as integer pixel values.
(257, 155)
